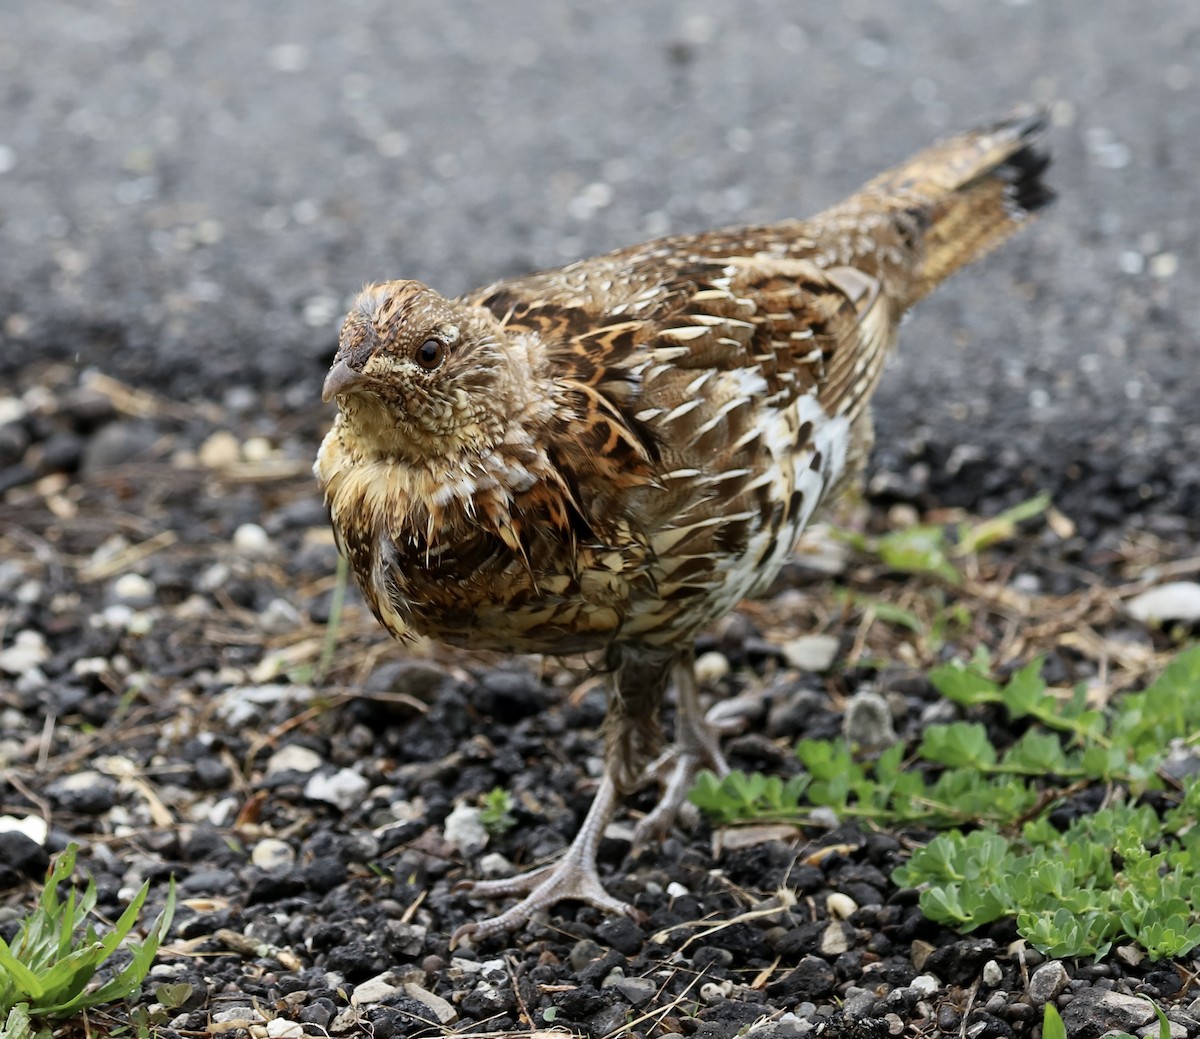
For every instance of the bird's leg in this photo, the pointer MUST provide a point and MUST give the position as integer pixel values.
(696, 746)
(572, 876)
(637, 679)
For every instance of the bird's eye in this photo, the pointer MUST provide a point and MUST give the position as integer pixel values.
(430, 354)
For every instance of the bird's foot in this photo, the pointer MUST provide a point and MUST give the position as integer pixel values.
(574, 876)
(696, 747)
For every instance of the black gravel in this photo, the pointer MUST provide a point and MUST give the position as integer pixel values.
(171, 606)
(185, 204)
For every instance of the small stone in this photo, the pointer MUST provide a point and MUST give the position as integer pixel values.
(273, 855)
(1175, 601)
(960, 962)
(238, 1015)
(464, 829)
(257, 449)
(61, 452)
(921, 951)
(813, 976)
(294, 758)
(825, 816)
(811, 652)
(924, 985)
(636, 990)
(133, 590)
(487, 1001)
(677, 890)
(20, 853)
(441, 1009)
(32, 826)
(714, 991)
(1095, 1011)
(1130, 955)
(375, 990)
(582, 953)
(86, 793)
(12, 409)
(251, 539)
(495, 865)
(28, 650)
(622, 934)
(711, 667)
(116, 444)
(211, 773)
(282, 1028)
(1164, 265)
(868, 720)
(858, 1003)
(1047, 982)
(344, 788)
(992, 974)
(833, 940)
(279, 617)
(220, 450)
(249, 705)
(840, 906)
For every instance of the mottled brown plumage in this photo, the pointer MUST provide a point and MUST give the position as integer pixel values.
(608, 457)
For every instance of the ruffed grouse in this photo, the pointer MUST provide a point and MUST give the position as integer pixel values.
(608, 457)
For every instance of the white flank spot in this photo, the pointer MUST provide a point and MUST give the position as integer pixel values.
(684, 333)
(683, 409)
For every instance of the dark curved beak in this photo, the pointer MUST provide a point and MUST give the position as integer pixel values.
(341, 379)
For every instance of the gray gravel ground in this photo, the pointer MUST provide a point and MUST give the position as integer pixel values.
(188, 195)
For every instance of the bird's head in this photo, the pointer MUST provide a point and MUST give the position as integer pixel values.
(421, 376)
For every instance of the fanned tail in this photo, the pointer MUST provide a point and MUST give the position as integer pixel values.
(958, 199)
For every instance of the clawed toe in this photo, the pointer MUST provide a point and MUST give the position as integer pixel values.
(573, 877)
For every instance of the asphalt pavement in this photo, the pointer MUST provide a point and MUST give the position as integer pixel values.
(190, 193)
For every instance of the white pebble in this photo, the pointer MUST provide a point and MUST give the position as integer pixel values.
(711, 667)
(133, 589)
(12, 409)
(273, 854)
(282, 1028)
(867, 720)
(279, 617)
(811, 652)
(252, 539)
(30, 591)
(140, 623)
(712, 991)
(1175, 601)
(823, 815)
(1131, 262)
(924, 985)
(28, 650)
(1164, 265)
(345, 788)
(841, 906)
(85, 666)
(220, 450)
(677, 890)
(257, 449)
(833, 940)
(29, 682)
(464, 829)
(213, 577)
(493, 864)
(294, 758)
(33, 826)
